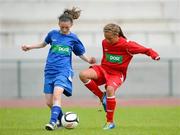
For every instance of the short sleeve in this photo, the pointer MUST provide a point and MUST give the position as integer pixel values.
(47, 39)
(78, 48)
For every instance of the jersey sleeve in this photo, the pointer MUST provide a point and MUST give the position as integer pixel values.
(47, 39)
(78, 48)
(135, 48)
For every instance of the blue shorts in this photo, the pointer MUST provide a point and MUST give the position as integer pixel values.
(61, 81)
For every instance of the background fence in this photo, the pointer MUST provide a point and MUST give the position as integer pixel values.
(153, 23)
(24, 79)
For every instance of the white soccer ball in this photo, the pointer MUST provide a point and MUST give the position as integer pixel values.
(70, 120)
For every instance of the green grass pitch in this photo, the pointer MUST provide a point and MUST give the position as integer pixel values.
(129, 121)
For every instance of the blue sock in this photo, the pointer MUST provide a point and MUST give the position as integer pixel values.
(55, 111)
(60, 115)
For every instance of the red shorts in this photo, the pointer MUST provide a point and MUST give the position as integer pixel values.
(106, 78)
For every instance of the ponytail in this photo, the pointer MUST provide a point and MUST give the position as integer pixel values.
(121, 34)
(69, 15)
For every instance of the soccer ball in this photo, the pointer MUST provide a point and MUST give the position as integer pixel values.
(70, 120)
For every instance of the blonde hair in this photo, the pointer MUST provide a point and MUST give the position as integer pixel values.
(114, 28)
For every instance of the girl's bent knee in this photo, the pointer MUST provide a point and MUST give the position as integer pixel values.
(82, 75)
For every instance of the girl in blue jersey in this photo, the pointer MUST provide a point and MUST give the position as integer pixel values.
(58, 70)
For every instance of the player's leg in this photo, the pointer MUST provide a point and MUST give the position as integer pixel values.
(49, 103)
(48, 91)
(113, 82)
(56, 110)
(110, 107)
(49, 100)
(87, 77)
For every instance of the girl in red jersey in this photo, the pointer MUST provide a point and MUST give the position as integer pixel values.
(117, 54)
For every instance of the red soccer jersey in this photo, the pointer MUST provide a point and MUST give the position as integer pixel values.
(117, 57)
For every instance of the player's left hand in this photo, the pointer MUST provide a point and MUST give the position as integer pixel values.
(92, 60)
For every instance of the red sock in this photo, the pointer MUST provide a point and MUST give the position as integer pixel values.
(111, 104)
(92, 86)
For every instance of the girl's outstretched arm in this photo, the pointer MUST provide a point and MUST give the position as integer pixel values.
(90, 60)
(135, 48)
(33, 46)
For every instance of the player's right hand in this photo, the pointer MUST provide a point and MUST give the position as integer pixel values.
(25, 48)
(92, 60)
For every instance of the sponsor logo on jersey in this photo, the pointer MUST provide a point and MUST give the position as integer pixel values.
(61, 49)
(114, 58)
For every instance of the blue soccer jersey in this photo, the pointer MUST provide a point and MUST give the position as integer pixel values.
(58, 69)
